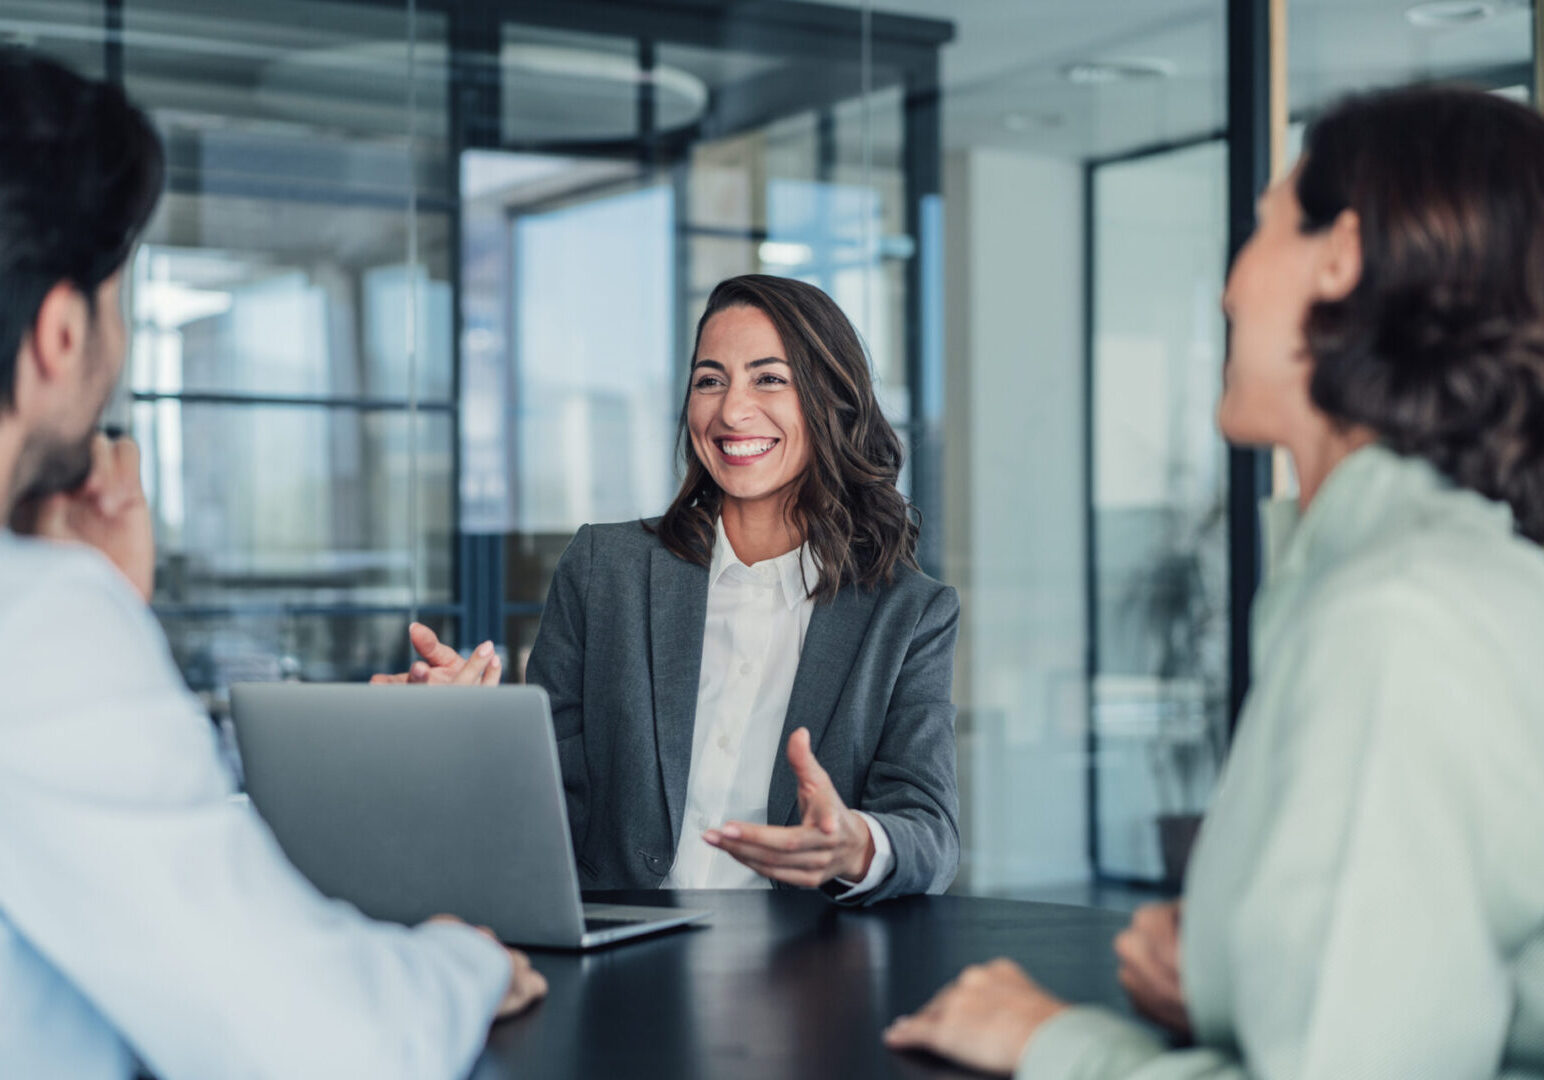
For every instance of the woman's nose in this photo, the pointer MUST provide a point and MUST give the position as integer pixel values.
(737, 406)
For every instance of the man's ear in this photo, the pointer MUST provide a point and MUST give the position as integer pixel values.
(1340, 265)
(55, 347)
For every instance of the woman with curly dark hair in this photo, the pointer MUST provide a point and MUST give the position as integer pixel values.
(755, 688)
(1367, 895)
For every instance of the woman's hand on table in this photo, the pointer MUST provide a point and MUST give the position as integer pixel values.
(831, 842)
(1148, 950)
(983, 1020)
(443, 666)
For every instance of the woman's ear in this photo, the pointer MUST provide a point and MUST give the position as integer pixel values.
(1340, 264)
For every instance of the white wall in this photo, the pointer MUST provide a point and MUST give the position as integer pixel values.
(1015, 504)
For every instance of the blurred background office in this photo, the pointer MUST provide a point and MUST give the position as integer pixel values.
(419, 302)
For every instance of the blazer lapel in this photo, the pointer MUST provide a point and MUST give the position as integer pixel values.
(831, 646)
(678, 610)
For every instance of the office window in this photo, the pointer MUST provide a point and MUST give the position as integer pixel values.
(421, 295)
(292, 373)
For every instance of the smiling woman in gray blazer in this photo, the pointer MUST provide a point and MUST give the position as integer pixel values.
(754, 688)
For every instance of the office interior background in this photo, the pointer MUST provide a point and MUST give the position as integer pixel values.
(421, 295)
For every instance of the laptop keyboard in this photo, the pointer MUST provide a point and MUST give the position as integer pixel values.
(594, 924)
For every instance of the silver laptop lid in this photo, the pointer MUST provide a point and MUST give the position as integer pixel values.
(411, 801)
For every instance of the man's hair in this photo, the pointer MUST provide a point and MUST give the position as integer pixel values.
(80, 174)
(1440, 347)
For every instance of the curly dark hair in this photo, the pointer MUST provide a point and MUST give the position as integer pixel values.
(854, 518)
(1439, 349)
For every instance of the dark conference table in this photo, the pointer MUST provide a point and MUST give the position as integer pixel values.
(785, 984)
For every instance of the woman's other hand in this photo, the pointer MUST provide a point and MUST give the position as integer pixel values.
(1148, 950)
(983, 1020)
(443, 666)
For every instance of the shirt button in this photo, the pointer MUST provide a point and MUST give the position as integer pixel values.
(723, 743)
(747, 668)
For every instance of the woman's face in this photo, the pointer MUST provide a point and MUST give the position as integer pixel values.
(743, 414)
(1278, 276)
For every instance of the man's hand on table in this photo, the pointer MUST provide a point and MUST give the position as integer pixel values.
(527, 986)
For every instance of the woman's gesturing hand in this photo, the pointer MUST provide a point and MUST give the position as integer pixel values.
(831, 842)
(443, 666)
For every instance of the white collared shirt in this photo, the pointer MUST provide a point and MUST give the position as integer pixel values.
(757, 619)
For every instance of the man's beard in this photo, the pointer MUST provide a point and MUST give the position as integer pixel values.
(60, 467)
(53, 464)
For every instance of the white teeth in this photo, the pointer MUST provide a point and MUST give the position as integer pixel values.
(748, 448)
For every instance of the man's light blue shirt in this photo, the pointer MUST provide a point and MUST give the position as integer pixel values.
(145, 916)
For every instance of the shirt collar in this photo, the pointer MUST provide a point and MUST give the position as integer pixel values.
(1373, 494)
(797, 571)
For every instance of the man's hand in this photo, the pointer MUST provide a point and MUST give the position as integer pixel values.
(983, 1020)
(832, 842)
(107, 512)
(526, 985)
(443, 666)
(1149, 965)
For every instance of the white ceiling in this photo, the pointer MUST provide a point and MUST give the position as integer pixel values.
(1004, 74)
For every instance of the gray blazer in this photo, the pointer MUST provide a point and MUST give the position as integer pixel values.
(619, 652)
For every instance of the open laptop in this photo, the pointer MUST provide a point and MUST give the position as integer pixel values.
(410, 801)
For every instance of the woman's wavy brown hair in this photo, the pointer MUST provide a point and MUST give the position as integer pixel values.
(1440, 347)
(847, 506)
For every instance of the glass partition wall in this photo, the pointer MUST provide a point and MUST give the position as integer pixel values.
(420, 299)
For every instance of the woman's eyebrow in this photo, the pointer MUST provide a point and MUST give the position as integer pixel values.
(716, 366)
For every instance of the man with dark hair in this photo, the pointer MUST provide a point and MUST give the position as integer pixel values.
(146, 918)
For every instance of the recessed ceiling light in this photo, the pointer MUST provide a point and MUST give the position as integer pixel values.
(1445, 13)
(1102, 72)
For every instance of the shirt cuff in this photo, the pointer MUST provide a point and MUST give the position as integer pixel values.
(483, 963)
(1086, 1043)
(881, 865)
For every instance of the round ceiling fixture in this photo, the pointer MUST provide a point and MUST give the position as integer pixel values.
(1437, 14)
(1104, 72)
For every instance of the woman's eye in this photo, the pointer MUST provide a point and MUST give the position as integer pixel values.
(771, 380)
(706, 382)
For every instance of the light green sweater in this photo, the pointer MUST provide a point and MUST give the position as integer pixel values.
(1367, 894)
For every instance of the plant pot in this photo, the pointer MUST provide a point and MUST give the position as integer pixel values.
(1176, 836)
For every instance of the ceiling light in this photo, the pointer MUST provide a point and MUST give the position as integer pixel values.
(783, 253)
(168, 305)
(1103, 72)
(1435, 14)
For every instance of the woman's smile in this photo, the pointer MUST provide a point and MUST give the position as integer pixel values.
(741, 450)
